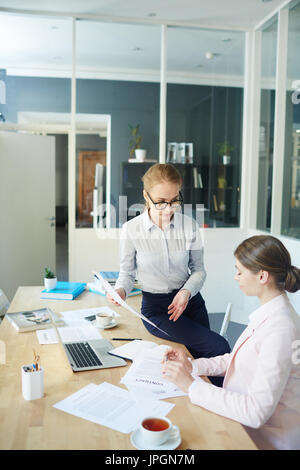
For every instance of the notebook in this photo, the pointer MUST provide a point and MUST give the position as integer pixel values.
(88, 355)
(64, 291)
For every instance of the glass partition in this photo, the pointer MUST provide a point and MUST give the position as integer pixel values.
(266, 131)
(119, 78)
(204, 120)
(291, 182)
(35, 97)
(35, 67)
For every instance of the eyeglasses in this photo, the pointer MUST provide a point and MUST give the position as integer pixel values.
(160, 206)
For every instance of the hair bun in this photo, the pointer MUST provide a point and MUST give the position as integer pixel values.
(292, 282)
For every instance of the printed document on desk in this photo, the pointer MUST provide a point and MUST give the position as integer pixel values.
(112, 407)
(78, 317)
(133, 349)
(145, 375)
(68, 334)
(120, 301)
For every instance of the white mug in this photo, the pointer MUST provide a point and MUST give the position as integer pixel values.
(103, 319)
(156, 430)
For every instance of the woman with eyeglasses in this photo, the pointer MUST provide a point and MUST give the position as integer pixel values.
(163, 248)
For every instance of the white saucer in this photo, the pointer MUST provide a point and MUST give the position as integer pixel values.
(171, 444)
(110, 325)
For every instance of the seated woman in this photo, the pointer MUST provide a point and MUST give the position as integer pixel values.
(261, 387)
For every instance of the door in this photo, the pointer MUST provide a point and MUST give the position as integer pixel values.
(87, 161)
(27, 214)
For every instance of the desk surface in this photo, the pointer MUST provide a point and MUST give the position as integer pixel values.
(37, 425)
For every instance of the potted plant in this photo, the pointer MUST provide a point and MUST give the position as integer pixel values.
(135, 143)
(224, 150)
(50, 279)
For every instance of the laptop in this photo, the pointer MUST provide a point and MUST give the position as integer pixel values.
(88, 355)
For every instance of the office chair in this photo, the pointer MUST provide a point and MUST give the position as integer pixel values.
(4, 304)
(226, 320)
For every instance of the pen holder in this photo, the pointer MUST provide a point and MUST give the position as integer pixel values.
(32, 383)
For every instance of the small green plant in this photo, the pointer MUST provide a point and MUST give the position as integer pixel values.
(49, 274)
(225, 148)
(135, 139)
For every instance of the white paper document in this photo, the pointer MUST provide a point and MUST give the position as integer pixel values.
(146, 374)
(112, 406)
(133, 349)
(77, 317)
(120, 301)
(68, 334)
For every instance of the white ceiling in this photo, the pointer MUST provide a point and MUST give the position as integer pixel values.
(42, 46)
(230, 13)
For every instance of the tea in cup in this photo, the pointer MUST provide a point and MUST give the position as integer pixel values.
(103, 319)
(155, 430)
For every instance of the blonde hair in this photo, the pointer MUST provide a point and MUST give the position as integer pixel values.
(160, 173)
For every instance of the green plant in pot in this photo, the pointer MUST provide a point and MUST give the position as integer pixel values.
(50, 279)
(224, 151)
(134, 147)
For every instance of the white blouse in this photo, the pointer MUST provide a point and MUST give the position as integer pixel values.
(162, 260)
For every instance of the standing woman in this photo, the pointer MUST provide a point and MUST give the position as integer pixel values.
(163, 248)
(261, 388)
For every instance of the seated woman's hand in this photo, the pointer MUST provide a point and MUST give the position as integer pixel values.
(121, 293)
(178, 355)
(177, 373)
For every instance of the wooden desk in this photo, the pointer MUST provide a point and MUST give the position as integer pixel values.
(37, 425)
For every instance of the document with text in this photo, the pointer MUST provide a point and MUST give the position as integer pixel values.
(120, 301)
(112, 406)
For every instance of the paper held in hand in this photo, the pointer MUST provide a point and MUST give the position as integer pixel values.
(110, 290)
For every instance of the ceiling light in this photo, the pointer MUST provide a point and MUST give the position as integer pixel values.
(209, 55)
(226, 39)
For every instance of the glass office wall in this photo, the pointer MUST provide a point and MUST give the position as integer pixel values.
(118, 77)
(205, 73)
(35, 67)
(266, 131)
(35, 94)
(291, 182)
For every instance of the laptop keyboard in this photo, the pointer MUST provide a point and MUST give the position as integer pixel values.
(83, 355)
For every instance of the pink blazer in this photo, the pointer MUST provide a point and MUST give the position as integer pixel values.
(261, 387)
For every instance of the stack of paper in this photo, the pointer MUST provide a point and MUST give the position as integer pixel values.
(68, 334)
(112, 406)
(133, 349)
(78, 317)
(145, 374)
(77, 327)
